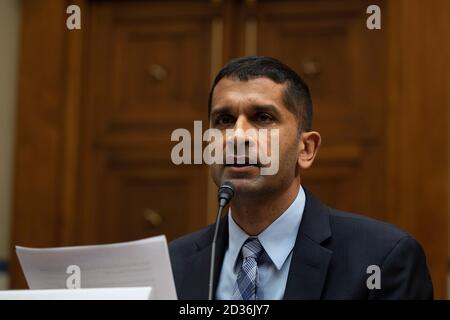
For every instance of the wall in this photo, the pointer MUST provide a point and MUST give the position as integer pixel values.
(9, 36)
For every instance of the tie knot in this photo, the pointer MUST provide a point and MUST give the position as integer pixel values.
(252, 248)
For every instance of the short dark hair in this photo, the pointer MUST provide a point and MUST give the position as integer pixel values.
(297, 97)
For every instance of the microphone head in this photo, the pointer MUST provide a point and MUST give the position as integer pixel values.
(226, 193)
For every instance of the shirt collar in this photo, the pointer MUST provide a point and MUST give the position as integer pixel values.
(278, 239)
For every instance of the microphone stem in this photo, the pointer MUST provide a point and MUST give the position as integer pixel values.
(213, 253)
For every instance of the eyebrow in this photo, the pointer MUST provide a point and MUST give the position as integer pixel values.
(269, 108)
(220, 110)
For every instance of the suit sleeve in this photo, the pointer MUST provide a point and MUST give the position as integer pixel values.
(404, 273)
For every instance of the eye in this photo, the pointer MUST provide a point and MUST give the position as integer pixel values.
(224, 119)
(263, 117)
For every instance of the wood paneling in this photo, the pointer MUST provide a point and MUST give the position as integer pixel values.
(417, 126)
(39, 131)
(144, 79)
(343, 63)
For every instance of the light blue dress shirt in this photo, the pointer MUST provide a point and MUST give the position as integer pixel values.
(278, 240)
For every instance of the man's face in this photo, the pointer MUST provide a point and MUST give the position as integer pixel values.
(255, 104)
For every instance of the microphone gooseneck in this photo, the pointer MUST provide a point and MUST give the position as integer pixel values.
(224, 196)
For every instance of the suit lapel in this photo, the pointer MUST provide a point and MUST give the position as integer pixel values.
(309, 264)
(310, 259)
(196, 277)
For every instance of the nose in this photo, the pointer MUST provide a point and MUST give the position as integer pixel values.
(241, 131)
(242, 139)
(242, 123)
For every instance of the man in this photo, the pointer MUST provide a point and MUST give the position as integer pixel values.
(278, 240)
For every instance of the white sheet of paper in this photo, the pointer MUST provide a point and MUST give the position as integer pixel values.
(137, 293)
(141, 263)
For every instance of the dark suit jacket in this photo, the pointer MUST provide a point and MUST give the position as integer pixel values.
(330, 258)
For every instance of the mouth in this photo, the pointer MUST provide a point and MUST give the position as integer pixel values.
(244, 166)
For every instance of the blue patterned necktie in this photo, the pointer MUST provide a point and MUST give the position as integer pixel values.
(245, 287)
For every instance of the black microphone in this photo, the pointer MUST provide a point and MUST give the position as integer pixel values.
(226, 192)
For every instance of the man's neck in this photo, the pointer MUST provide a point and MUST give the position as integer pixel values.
(256, 215)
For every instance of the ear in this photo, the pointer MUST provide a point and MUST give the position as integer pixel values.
(309, 145)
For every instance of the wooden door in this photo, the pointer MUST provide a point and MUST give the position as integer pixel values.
(343, 63)
(148, 74)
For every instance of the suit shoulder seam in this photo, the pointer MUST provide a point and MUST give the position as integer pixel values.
(406, 236)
